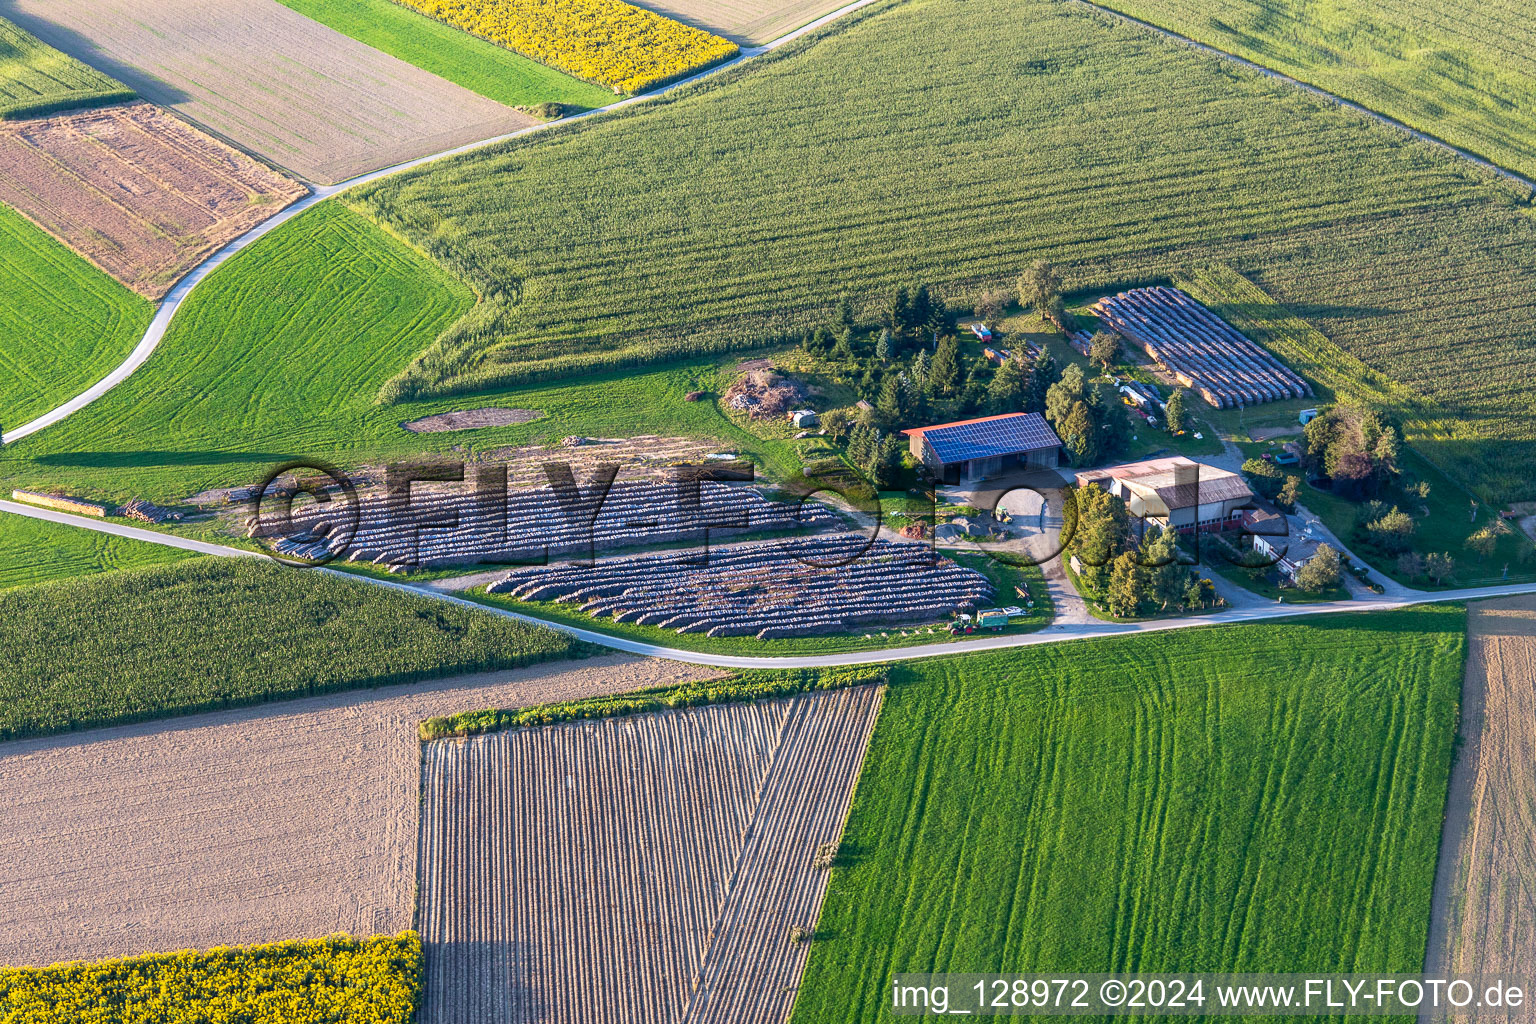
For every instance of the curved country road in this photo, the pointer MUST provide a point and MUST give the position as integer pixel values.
(319, 193)
(1050, 635)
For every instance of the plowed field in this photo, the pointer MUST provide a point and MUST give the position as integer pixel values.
(138, 192)
(303, 96)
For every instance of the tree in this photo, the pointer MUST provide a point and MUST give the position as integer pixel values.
(1320, 572)
(1070, 389)
(837, 423)
(899, 313)
(1290, 493)
(892, 400)
(1111, 418)
(1410, 564)
(1079, 435)
(1167, 577)
(991, 305)
(818, 342)
(845, 314)
(1101, 532)
(1039, 286)
(1009, 388)
(946, 375)
(1263, 476)
(861, 441)
(1042, 375)
(843, 350)
(1482, 542)
(1393, 532)
(884, 348)
(884, 467)
(1104, 349)
(921, 369)
(1127, 583)
(1174, 411)
(1195, 593)
(1439, 567)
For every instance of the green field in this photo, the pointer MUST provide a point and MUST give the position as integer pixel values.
(357, 981)
(33, 551)
(870, 156)
(215, 633)
(36, 79)
(1461, 71)
(490, 70)
(65, 323)
(1252, 798)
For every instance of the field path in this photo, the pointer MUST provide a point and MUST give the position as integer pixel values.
(1057, 632)
(1320, 93)
(281, 821)
(166, 311)
(1483, 916)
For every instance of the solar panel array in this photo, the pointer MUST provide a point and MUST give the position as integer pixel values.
(989, 438)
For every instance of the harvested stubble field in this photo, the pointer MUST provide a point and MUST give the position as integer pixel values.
(1244, 799)
(214, 633)
(747, 22)
(257, 825)
(810, 184)
(65, 323)
(135, 190)
(1461, 70)
(36, 79)
(300, 95)
(1485, 895)
(643, 870)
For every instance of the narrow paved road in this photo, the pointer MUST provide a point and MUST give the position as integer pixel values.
(320, 193)
(1057, 632)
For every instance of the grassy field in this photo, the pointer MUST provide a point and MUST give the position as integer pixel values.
(33, 551)
(483, 67)
(65, 322)
(358, 981)
(36, 79)
(1410, 260)
(217, 633)
(1461, 71)
(1245, 799)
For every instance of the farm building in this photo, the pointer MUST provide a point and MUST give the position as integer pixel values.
(985, 447)
(1175, 492)
(1290, 553)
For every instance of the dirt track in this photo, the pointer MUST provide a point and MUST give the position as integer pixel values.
(1484, 916)
(277, 822)
(266, 78)
(140, 193)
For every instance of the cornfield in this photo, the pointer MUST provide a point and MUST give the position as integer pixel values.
(626, 48)
(339, 980)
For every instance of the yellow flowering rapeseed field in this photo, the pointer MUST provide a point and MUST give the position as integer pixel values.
(339, 980)
(624, 47)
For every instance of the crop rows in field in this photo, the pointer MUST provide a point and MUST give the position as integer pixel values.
(627, 48)
(1461, 70)
(36, 79)
(35, 551)
(528, 525)
(1251, 798)
(809, 187)
(636, 870)
(804, 587)
(213, 633)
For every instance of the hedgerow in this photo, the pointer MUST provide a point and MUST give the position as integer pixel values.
(748, 685)
(338, 980)
(214, 633)
(624, 47)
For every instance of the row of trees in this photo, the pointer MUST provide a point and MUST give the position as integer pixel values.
(1127, 576)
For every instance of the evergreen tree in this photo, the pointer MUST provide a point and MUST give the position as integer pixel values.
(1167, 577)
(1111, 418)
(1079, 435)
(897, 317)
(921, 310)
(1071, 389)
(892, 401)
(884, 349)
(1101, 533)
(843, 350)
(1127, 582)
(845, 314)
(1009, 388)
(1042, 375)
(1174, 411)
(946, 377)
(921, 369)
(860, 441)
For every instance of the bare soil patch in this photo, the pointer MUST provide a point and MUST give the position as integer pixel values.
(744, 22)
(471, 419)
(270, 80)
(636, 870)
(283, 821)
(1484, 912)
(138, 192)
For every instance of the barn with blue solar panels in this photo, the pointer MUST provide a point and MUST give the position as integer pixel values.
(977, 449)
